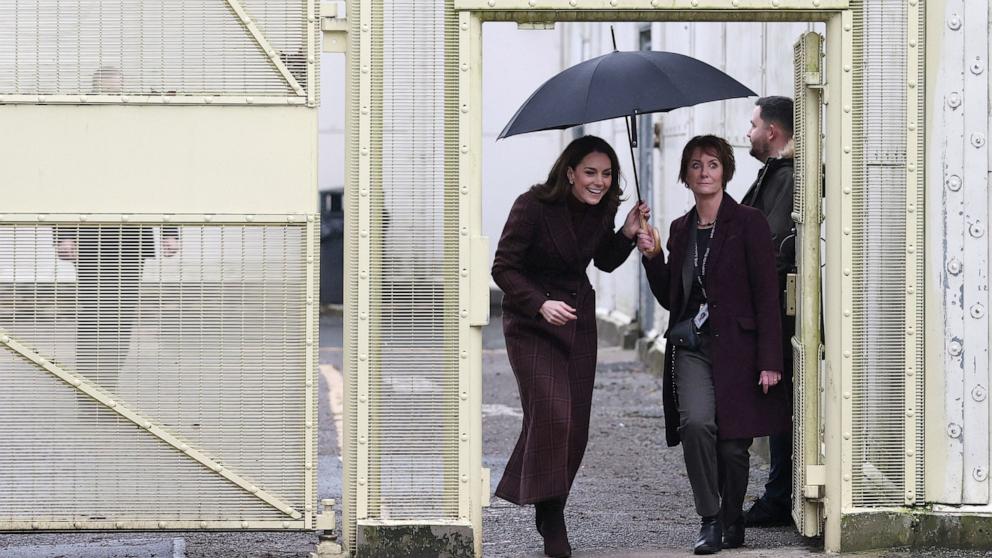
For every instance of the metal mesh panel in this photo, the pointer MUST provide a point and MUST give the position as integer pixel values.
(350, 287)
(799, 126)
(799, 433)
(879, 437)
(199, 329)
(920, 279)
(414, 341)
(162, 48)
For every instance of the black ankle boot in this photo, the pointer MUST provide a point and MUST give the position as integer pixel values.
(733, 535)
(540, 511)
(710, 536)
(550, 515)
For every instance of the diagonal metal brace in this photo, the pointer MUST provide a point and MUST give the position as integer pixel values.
(80, 383)
(264, 44)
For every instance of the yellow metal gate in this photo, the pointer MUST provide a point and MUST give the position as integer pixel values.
(809, 471)
(158, 264)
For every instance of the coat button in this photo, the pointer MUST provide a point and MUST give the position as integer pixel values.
(547, 293)
(573, 293)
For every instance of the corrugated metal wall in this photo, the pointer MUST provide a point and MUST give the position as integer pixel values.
(958, 249)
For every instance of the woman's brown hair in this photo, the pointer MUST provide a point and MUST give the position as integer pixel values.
(557, 188)
(711, 145)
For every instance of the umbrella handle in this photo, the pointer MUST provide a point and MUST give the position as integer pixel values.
(657, 237)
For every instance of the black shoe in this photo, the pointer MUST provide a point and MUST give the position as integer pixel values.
(710, 536)
(763, 515)
(550, 516)
(539, 516)
(733, 535)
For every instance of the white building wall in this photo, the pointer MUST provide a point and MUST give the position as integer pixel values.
(515, 62)
(330, 161)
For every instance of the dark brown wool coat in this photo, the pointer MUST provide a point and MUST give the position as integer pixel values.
(744, 320)
(541, 257)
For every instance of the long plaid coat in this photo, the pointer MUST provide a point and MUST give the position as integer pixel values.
(744, 320)
(542, 257)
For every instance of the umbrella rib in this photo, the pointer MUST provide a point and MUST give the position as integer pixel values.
(592, 76)
(674, 83)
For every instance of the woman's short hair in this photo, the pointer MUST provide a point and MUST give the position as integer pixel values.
(557, 188)
(714, 146)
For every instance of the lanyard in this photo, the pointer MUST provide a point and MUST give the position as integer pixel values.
(701, 276)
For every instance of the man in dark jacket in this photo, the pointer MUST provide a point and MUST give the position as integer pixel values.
(771, 193)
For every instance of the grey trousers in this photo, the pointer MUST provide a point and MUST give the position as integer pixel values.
(717, 469)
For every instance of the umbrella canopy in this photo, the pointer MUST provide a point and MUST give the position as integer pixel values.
(621, 84)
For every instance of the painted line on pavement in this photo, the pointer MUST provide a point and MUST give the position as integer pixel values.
(335, 395)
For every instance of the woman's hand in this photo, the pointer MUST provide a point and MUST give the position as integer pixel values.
(556, 312)
(645, 243)
(632, 223)
(768, 378)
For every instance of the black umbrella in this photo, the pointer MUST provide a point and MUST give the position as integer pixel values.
(622, 85)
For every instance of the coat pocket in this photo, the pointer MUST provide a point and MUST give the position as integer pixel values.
(747, 324)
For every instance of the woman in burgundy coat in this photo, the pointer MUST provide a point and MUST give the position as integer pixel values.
(722, 392)
(549, 321)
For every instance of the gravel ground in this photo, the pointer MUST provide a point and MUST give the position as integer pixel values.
(632, 493)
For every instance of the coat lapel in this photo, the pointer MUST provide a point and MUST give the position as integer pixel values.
(559, 223)
(687, 248)
(724, 217)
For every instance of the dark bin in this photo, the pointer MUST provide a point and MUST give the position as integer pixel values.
(331, 247)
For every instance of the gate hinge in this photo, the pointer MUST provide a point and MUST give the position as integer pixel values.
(325, 519)
(814, 80)
(479, 281)
(334, 29)
(486, 487)
(791, 284)
(816, 480)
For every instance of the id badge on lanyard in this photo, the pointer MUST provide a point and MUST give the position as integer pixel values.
(702, 315)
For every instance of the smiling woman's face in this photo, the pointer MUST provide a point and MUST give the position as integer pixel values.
(591, 178)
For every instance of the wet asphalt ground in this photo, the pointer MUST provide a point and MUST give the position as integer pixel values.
(631, 497)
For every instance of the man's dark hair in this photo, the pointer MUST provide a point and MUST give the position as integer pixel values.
(777, 110)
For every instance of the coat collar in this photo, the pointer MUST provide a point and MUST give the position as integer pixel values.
(726, 214)
(724, 217)
(772, 164)
(559, 222)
